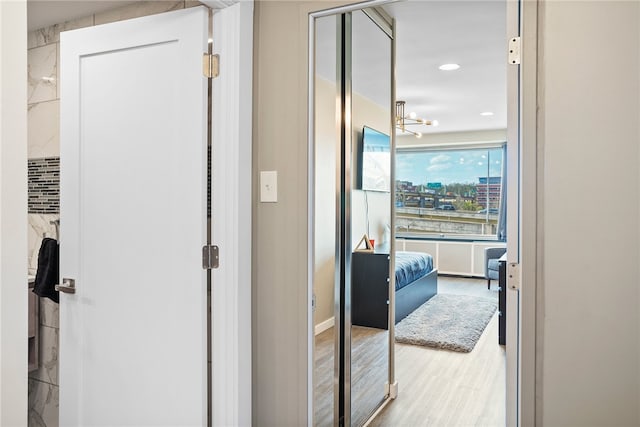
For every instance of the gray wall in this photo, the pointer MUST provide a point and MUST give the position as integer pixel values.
(279, 260)
(588, 134)
(588, 148)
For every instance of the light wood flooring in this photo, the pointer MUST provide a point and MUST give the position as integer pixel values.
(370, 353)
(436, 387)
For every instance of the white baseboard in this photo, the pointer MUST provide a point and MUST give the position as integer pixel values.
(323, 326)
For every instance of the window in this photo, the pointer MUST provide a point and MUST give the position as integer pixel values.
(445, 192)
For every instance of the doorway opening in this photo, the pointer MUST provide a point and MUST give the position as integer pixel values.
(184, 34)
(452, 147)
(450, 202)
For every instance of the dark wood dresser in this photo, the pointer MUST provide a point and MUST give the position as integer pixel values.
(370, 289)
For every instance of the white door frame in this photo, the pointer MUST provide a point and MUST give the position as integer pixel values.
(528, 229)
(512, 321)
(13, 213)
(231, 217)
(234, 406)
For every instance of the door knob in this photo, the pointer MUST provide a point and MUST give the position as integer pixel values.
(68, 286)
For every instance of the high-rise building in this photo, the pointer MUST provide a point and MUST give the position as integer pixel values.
(492, 187)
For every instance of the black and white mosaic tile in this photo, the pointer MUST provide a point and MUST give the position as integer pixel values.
(44, 185)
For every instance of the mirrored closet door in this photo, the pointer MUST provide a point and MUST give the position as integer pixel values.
(351, 152)
(371, 127)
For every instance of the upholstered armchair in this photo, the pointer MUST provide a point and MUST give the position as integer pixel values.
(491, 264)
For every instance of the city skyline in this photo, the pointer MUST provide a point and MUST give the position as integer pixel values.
(447, 167)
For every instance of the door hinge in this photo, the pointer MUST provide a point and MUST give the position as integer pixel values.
(313, 302)
(514, 50)
(210, 257)
(210, 65)
(513, 275)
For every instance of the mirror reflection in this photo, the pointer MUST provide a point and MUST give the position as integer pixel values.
(370, 55)
(371, 213)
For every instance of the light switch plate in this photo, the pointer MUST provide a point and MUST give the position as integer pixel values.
(268, 186)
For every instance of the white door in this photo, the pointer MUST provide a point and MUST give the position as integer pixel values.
(133, 210)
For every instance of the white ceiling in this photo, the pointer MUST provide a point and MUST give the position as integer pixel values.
(429, 34)
(42, 13)
(471, 34)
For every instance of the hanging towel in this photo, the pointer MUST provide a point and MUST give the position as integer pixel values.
(47, 274)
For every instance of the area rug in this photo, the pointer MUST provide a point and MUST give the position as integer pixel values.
(451, 322)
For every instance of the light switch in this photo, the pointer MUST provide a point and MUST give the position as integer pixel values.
(269, 186)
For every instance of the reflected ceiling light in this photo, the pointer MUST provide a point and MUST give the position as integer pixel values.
(403, 120)
(486, 113)
(449, 67)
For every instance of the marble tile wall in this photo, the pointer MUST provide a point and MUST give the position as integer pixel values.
(39, 227)
(43, 129)
(42, 73)
(43, 404)
(51, 35)
(44, 141)
(43, 382)
(43, 138)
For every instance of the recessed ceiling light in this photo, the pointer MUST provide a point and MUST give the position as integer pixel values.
(486, 113)
(449, 67)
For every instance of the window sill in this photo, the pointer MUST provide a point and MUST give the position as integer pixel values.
(448, 237)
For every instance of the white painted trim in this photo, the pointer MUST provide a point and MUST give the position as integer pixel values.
(231, 211)
(13, 213)
(220, 4)
(323, 326)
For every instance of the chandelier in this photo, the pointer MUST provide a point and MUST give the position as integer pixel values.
(402, 120)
